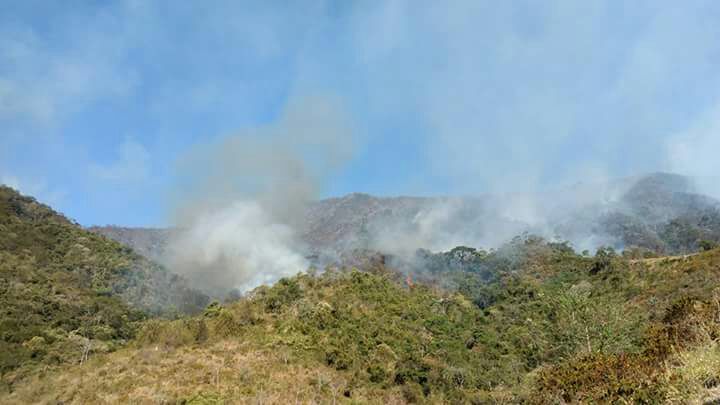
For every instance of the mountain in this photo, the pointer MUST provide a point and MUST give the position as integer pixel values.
(631, 212)
(661, 213)
(531, 321)
(64, 290)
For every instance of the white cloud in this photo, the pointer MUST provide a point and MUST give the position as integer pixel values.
(132, 164)
(42, 83)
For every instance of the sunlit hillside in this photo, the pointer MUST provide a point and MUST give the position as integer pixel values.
(531, 322)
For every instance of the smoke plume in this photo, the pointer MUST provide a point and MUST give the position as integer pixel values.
(243, 197)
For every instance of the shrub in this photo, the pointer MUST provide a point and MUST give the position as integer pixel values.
(285, 292)
(706, 245)
(169, 334)
(226, 325)
(597, 377)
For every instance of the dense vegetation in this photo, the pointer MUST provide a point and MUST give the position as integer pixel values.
(552, 326)
(65, 292)
(530, 322)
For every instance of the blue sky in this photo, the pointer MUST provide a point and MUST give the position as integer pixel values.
(100, 100)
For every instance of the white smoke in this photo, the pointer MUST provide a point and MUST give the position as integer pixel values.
(240, 246)
(445, 223)
(572, 213)
(242, 198)
(430, 228)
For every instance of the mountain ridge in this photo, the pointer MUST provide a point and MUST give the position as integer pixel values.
(633, 212)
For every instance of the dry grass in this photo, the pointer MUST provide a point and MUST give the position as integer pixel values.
(695, 375)
(655, 260)
(226, 372)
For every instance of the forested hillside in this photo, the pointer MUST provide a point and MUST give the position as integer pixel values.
(333, 202)
(66, 293)
(532, 322)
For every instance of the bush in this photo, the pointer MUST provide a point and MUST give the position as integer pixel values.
(170, 334)
(226, 325)
(213, 310)
(413, 393)
(595, 378)
(603, 260)
(285, 292)
(706, 245)
(338, 358)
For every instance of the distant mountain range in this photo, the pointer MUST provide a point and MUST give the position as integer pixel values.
(660, 212)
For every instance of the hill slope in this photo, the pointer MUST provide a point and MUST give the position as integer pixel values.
(559, 328)
(65, 292)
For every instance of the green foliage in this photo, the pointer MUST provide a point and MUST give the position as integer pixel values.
(681, 235)
(603, 259)
(599, 377)
(633, 377)
(386, 334)
(62, 287)
(706, 245)
(285, 292)
(688, 317)
(437, 345)
(529, 322)
(170, 334)
(226, 325)
(213, 310)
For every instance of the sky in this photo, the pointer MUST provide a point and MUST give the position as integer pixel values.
(102, 101)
